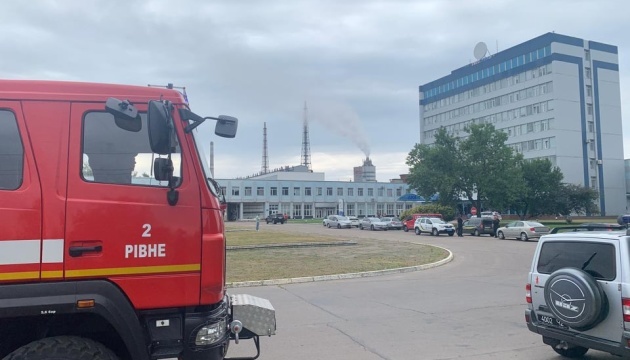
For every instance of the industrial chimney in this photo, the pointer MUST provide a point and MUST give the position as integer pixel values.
(366, 172)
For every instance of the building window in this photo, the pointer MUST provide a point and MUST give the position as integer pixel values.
(589, 90)
(360, 192)
(273, 209)
(260, 191)
(380, 210)
(223, 190)
(329, 191)
(339, 191)
(274, 191)
(236, 190)
(248, 191)
(591, 145)
(588, 72)
(307, 191)
(593, 182)
(390, 209)
(589, 109)
(399, 192)
(370, 192)
(308, 210)
(592, 164)
(296, 191)
(350, 209)
(285, 191)
(381, 191)
(297, 210)
(587, 55)
(350, 192)
(591, 127)
(390, 193)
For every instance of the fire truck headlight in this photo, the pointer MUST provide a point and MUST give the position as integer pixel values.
(211, 333)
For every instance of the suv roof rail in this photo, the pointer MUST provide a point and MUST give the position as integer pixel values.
(593, 227)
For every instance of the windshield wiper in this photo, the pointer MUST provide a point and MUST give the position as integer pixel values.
(217, 190)
(588, 261)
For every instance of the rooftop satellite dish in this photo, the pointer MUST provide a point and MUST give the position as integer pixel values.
(480, 50)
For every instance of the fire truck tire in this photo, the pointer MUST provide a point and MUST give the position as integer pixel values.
(63, 347)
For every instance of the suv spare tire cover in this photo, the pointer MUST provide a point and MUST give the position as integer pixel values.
(575, 298)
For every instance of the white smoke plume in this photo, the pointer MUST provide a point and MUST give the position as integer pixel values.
(340, 119)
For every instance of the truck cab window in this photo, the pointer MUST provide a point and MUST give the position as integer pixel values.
(116, 156)
(11, 152)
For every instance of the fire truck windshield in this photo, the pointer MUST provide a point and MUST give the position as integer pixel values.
(214, 187)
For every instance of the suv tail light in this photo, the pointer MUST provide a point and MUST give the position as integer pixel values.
(626, 309)
(528, 298)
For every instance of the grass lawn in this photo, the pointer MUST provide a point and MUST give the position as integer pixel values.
(278, 263)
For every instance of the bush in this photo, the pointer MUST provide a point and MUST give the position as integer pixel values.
(447, 212)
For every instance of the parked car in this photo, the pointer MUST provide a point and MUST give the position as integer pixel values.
(434, 226)
(337, 221)
(372, 223)
(354, 221)
(410, 220)
(589, 227)
(478, 226)
(393, 223)
(275, 218)
(577, 292)
(490, 214)
(523, 230)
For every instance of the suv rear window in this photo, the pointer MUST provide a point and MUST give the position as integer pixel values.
(596, 259)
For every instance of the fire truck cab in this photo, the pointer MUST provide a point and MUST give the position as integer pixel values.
(112, 243)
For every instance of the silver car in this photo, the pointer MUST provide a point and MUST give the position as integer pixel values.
(393, 223)
(354, 221)
(372, 223)
(523, 230)
(337, 221)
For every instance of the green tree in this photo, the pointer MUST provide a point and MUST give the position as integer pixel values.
(436, 168)
(479, 167)
(543, 184)
(492, 170)
(577, 199)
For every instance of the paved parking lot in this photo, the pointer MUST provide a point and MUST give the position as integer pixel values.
(471, 308)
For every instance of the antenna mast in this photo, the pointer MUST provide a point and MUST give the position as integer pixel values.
(265, 158)
(306, 144)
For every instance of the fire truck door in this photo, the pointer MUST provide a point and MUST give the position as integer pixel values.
(20, 199)
(119, 223)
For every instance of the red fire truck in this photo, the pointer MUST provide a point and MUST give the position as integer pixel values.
(112, 243)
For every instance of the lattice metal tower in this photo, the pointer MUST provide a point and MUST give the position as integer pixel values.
(306, 144)
(265, 157)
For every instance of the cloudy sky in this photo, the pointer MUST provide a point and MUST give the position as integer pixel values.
(356, 63)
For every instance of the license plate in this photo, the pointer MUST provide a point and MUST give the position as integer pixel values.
(551, 321)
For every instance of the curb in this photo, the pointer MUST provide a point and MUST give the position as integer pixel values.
(306, 279)
(291, 245)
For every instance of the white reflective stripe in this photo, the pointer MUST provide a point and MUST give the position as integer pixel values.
(16, 252)
(53, 251)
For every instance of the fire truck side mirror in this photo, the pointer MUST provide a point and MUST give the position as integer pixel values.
(163, 169)
(226, 126)
(125, 114)
(160, 126)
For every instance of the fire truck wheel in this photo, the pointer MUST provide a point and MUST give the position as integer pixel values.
(63, 347)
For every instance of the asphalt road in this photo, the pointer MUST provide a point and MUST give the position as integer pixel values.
(471, 308)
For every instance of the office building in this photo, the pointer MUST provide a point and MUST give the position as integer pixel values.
(557, 97)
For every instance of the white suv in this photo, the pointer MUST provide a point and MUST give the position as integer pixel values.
(434, 226)
(578, 292)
